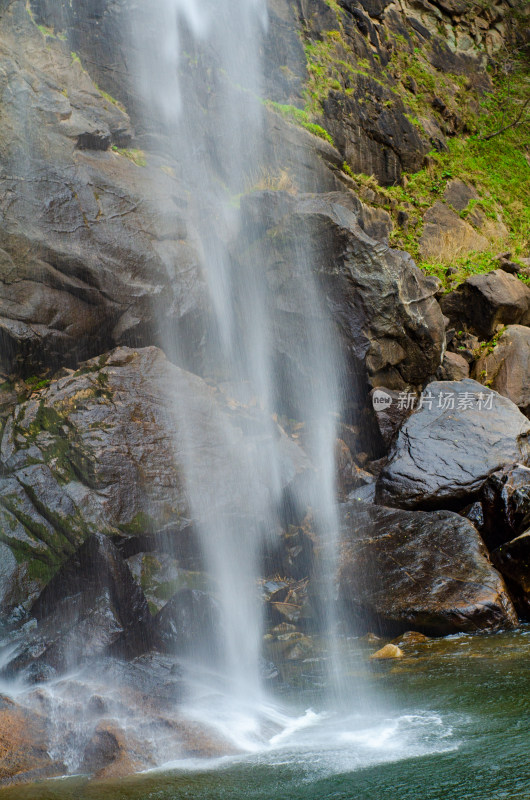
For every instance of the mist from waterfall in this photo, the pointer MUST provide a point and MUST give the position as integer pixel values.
(201, 87)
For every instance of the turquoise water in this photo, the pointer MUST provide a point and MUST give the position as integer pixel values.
(452, 721)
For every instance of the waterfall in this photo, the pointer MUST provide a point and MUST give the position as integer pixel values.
(200, 82)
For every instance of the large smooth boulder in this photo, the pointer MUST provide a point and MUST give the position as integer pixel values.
(447, 448)
(486, 301)
(109, 448)
(506, 367)
(426, 571)
(389, 322)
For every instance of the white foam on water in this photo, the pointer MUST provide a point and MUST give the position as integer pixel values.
(324, 744)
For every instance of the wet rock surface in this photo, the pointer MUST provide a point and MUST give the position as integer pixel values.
(426, 571)
(390, 412)
(99, 451)
(23, 745)
(513, 561)
(98, 531)
(445, 454)
(88, 238)
(505, 501)
(189, 624)
(90, 607)
(110, 753)
(389, 321)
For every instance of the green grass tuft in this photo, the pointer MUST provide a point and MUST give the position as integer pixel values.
(136, 156)
(300, 117)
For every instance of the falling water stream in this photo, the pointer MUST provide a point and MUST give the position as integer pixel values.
(200, 89)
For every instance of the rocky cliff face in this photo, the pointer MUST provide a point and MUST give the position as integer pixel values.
(375, 102)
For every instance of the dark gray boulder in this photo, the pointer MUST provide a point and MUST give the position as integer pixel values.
(90, 607)
(389, 322)
(390, 412)
(422, 571)
(485, 301)
(103, 449)
(512, 559)
(505, 499)
(189, 624)
(447, 448)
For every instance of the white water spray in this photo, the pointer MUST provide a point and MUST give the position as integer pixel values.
(201, 88)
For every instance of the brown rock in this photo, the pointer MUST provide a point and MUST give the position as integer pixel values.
(410, 638)
(445, 236)
(427, 572)
(506, 367)
(459, 194)
(485, 301)
(511, 267)
(111, 753)
(388, 651)
(23, 745)
(454, 367)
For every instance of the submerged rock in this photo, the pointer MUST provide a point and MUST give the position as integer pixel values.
(425, 571)
(411, 638)
(447, 448)
(388, 651)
